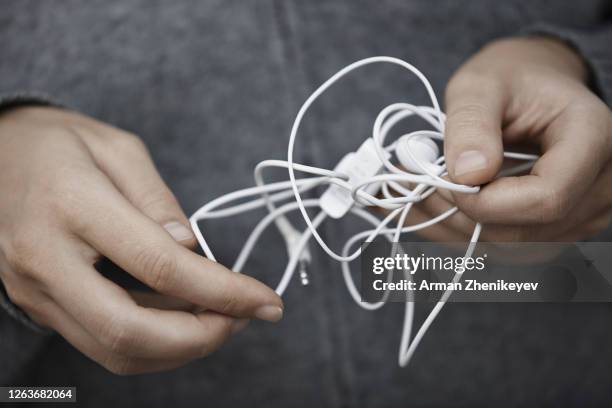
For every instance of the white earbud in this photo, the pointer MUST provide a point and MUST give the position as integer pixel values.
(415, 150)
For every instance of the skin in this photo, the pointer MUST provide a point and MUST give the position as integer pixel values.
(530, 92)
(79, 190)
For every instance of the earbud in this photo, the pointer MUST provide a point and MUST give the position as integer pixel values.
(423, 149)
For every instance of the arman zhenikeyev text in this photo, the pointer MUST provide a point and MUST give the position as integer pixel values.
(499, 285)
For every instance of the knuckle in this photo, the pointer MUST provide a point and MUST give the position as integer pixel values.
(229, 303)
(469, 116)
(159, 268)
(155, 198)
(117, 335)
(23, 254)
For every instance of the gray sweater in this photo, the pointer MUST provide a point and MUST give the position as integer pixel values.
(212, 88)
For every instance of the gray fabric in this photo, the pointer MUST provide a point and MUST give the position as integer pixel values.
(212, 88)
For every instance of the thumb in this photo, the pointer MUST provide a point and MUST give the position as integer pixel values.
(473, 145)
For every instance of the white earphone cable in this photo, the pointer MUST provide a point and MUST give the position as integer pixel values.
(397, 197)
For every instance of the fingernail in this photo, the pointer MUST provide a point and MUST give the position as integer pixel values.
(239, 325)
(469, 161)
(269, 312)
(178, 231)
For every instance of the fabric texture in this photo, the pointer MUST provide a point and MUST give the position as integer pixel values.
(212, 88)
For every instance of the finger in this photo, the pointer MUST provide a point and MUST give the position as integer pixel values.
(62, 322)
(436, 204)
(583, 221)
(558, 179)
(157, 301)
(110, 315)
(446, 195)
(473, 145)
(142, 248)
(124, 158)
(437, 232)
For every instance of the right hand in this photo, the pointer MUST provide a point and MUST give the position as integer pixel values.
(73, 190)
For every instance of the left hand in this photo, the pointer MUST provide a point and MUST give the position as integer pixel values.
(530, 91)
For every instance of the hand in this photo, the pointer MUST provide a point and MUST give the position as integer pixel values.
(528, 91)
(73, 190)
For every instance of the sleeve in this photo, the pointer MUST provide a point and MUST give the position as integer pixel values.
(19, 344)
(14, 100)
(595, 47)
(9, 101)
